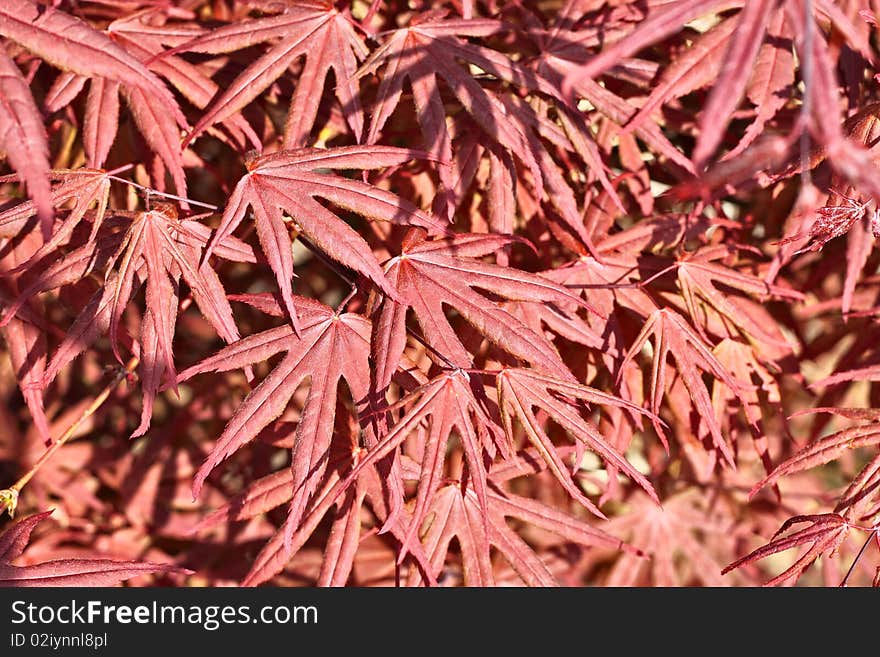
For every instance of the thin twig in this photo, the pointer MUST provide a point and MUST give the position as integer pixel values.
(327, 261)
(418, 338)
(352, 286)
(858, 556)
(374, 7)
(807, 105)
(342, 304)
(122, 169)
(153, 192)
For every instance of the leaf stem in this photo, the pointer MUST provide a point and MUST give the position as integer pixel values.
(374, 7)
(807, 104)
(153, 192)
(324, 259)
(858, 556)
(418, 338)
(352, 286)
(342, 304)
(9, 496)
(122, 169)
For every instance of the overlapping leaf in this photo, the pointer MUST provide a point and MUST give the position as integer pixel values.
(673, 335)
(447, 404)
(156, 248)
(73, 45)
(64, 572)
(329, 347)
(347, 495)
(23, 138)
(313, 29)
(429, 50)
(77, 48)
(456, 514)
(291, 182)
(699, 276)
(433, 274)
(685, 540)
(521, 390)
(146, 42)
(823, 451)
(827, 531)
(84, 187)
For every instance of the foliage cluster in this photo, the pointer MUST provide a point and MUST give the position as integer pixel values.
(464, 292)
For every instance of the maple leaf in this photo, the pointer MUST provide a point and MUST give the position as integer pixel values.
(452, 405)
(823, 451)
(347, 494)
(84, 187)
(746, 59)
(101, 121)
(520, 390)
(684, 540)
(456, 513)
(74, 46)
(315, 30)
(291, 181)
(432, 274)
(699, 276)
(156, 248)
(439, 400)
(329, 347)
(834, 220)
(826, 533)
(152, 242)
(429, 49)
(673, 335)
(563, 56)
(23, 138)
(65, 572)
(146, 42)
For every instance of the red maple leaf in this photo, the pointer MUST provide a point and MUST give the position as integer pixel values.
(291, 182)
(65, 572)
